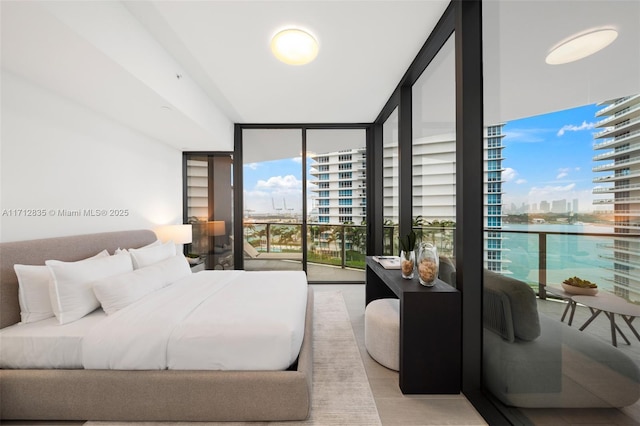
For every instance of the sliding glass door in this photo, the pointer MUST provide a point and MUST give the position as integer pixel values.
(304, 200)
(337, 206)
(272, 221)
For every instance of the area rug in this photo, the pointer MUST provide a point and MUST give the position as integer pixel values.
(341, 393)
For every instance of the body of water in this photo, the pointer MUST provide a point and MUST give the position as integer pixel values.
(567, 255)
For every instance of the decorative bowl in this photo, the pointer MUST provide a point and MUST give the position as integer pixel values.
(586, 291)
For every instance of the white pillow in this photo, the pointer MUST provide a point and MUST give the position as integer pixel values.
(33, 291)
(153, 244)
(70, 288)
(117, 292)
(146, 256)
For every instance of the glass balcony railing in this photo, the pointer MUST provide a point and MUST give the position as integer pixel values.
(542, 258)
(533, 256)
(342, 245)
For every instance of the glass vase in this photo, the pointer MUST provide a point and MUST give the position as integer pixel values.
(428, 264)
(407, 263)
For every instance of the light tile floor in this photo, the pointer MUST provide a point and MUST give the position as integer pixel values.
(394, 408)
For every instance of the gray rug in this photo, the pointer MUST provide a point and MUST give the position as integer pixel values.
(341, 392)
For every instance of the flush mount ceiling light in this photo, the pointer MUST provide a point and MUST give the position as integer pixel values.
(294, 46)
(581, 46)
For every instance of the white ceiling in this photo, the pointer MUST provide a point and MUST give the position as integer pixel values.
(123, 59)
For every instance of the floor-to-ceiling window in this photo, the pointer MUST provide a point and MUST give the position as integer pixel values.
(434, 152)
(304, 202)
(337, 204)
(272, 220)
(560, 158)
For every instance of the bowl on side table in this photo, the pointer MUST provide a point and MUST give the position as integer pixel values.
(586, 291)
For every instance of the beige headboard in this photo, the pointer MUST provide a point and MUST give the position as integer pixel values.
(36, 252)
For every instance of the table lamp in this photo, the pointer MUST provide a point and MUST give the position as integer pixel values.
(179, 234)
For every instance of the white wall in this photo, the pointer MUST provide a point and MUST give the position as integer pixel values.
(56, 155)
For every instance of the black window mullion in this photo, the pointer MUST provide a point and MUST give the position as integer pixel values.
(405, 150)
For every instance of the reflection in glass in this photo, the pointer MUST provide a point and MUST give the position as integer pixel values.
(209, 195)
(556, 209)
(434, 152)
(390, 178)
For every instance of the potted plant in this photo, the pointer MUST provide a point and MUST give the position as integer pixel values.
(193, 258)
(407, 254)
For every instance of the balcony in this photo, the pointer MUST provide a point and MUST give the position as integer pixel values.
(550, 257)
(617, 164)
(625, 113)
(615, 153)
(618, 129)
(617, 140)
(327, 255)
(625, 200)
(615, 177)
(618, 188)
(620, 103)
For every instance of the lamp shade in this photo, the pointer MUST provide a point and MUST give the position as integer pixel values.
(179, 234)
(216, 228)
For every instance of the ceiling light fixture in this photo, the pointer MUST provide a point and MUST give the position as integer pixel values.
(294, 46)
(581, 46)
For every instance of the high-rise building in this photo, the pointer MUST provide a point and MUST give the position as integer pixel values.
(559, 206)
(544, 206)
(494, 259)
(340, 187)
(434, 177)
(620, 141)
(339, 192)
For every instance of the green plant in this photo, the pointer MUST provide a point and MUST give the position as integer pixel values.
(407, 242)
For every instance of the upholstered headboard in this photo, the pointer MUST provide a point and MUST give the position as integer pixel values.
(36, 252)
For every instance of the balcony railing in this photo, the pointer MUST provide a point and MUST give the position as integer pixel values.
(547, 257)
(607, 155)
(615, 140)
(615, 104)
(550, 257)
(341, 245)
(616, 164)
(616, 127)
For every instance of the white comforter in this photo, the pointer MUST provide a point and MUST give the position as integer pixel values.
(212, 320)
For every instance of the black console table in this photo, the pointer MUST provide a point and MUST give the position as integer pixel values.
(430, 330)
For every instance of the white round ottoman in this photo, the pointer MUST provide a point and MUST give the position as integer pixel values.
(382, 332)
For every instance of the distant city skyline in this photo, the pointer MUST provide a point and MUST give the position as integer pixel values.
(549, 158)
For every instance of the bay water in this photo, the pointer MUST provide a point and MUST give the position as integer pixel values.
(567, 255)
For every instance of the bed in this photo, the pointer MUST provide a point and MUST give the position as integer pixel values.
(137, 392)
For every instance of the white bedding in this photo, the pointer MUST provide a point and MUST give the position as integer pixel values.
(46, 343)
(212, 320)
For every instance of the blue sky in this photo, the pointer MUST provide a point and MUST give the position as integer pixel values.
(273, 183)
(549, 157)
